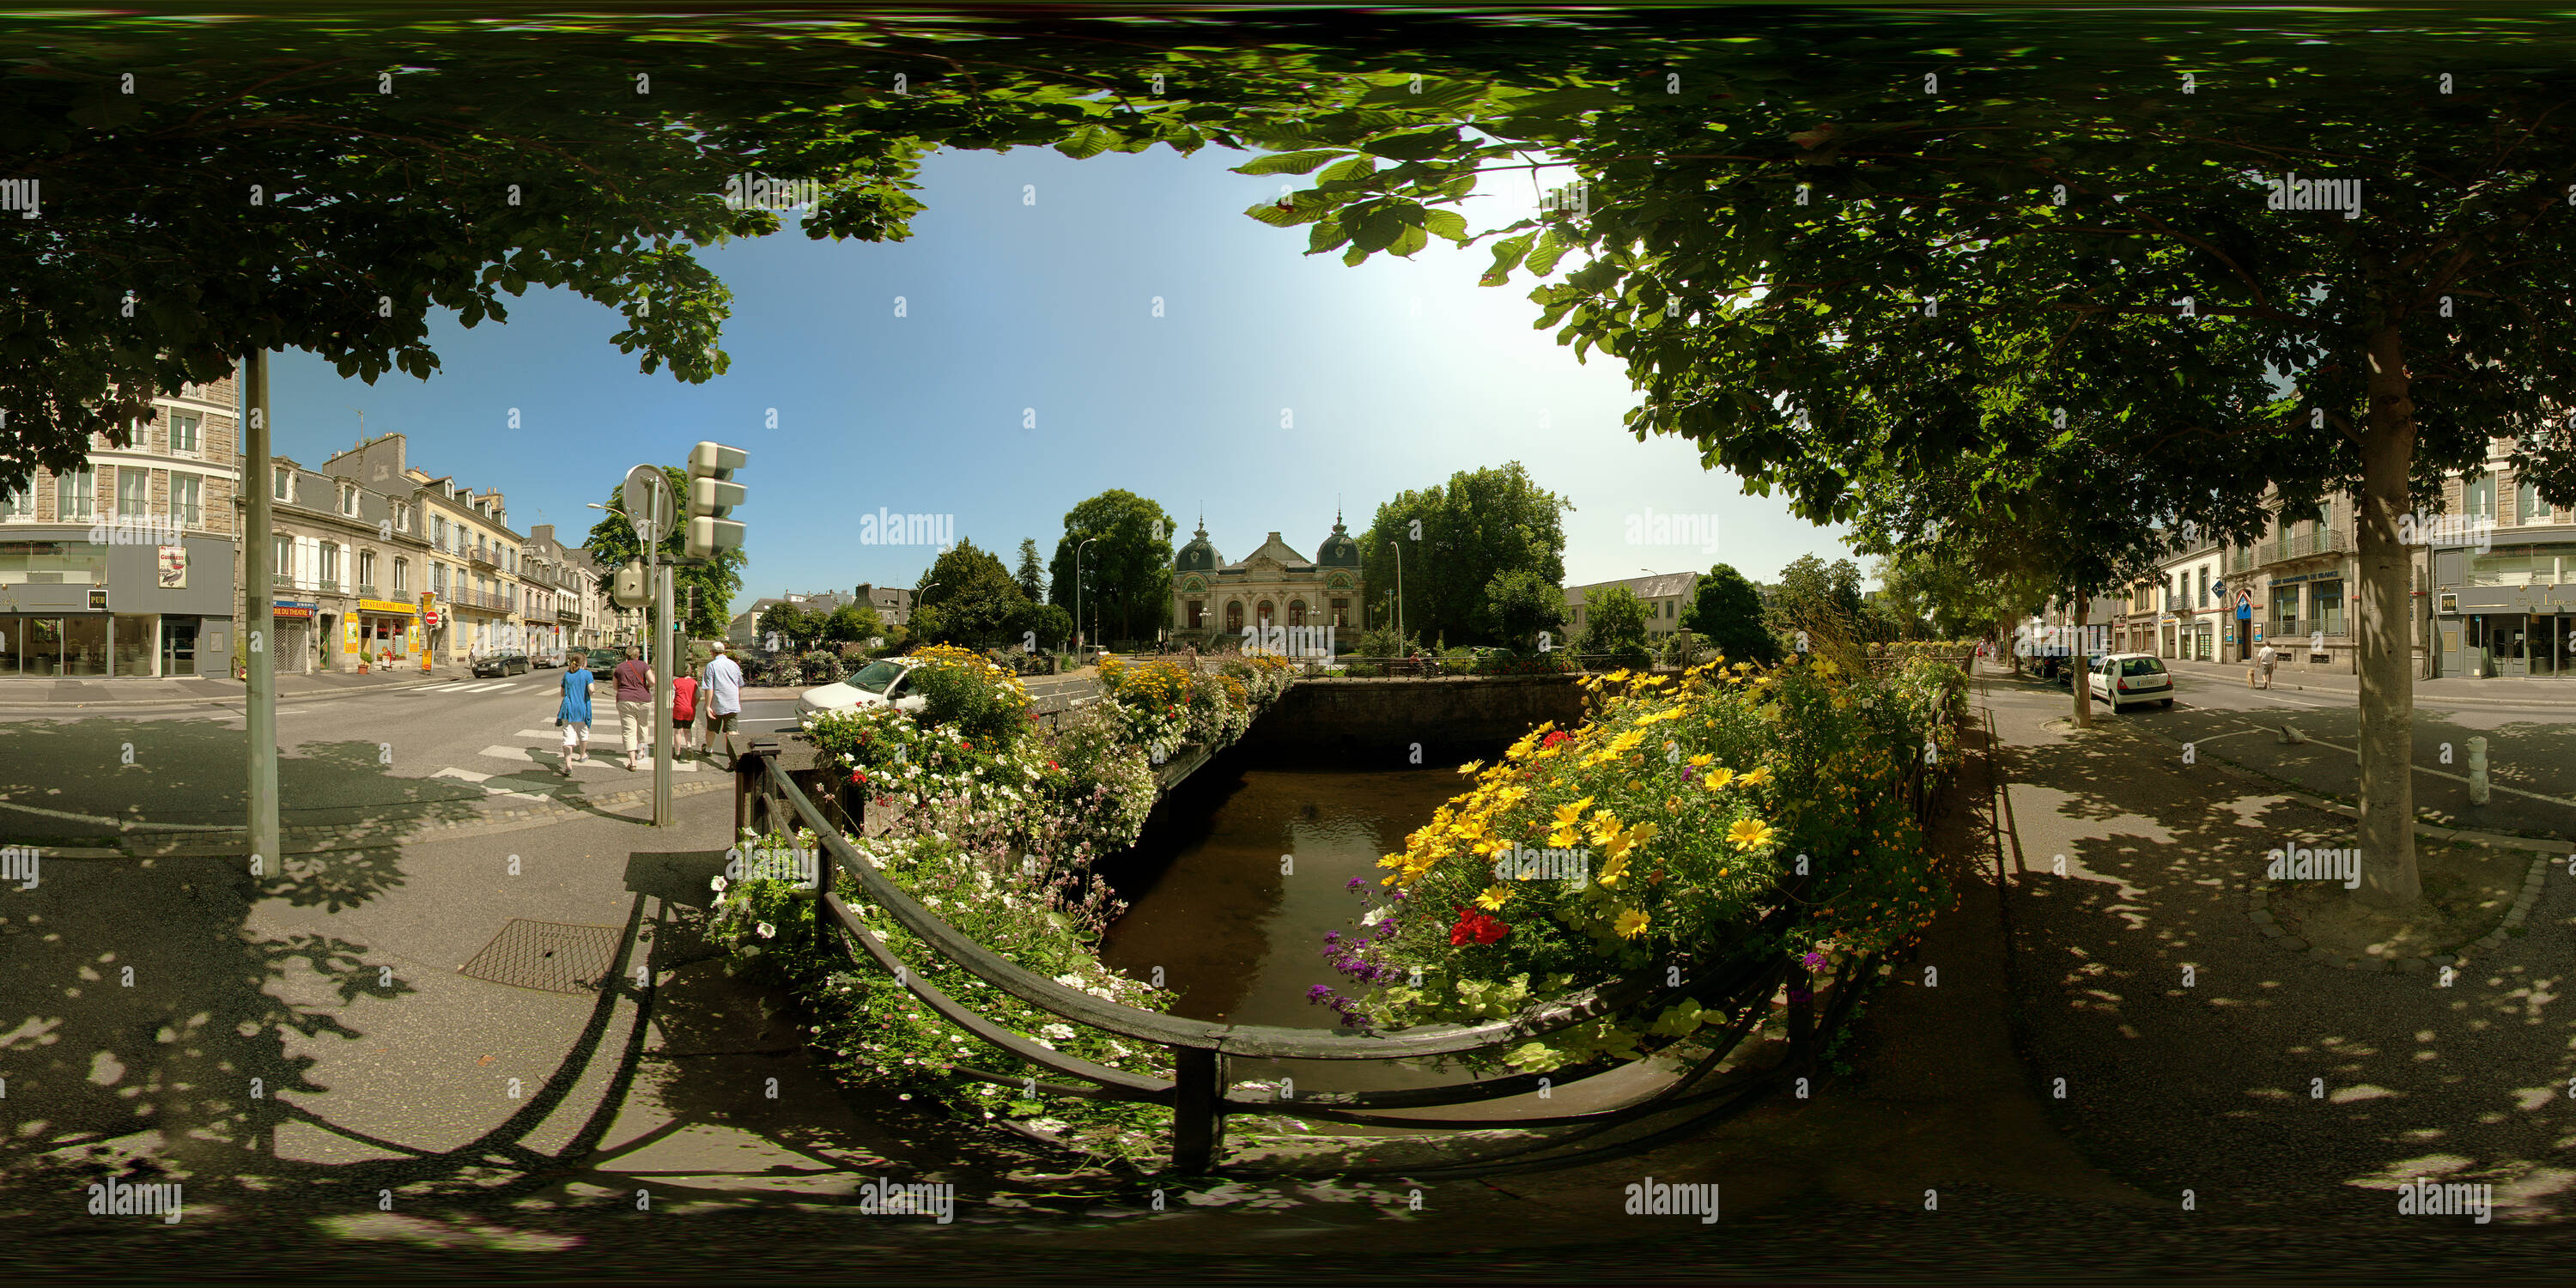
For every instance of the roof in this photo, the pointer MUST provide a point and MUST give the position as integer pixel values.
(1657, 586)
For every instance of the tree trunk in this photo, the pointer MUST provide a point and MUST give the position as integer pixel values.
(2387, 743)
(2079, 680)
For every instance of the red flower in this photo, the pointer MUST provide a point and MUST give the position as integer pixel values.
(1554, 738)
(1052, 765)
(858, 777)
(1476, 926)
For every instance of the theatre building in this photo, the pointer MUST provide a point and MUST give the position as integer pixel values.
(124, 567)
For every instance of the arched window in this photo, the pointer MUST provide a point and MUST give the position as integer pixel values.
(1198, 614)
(1265, 614)
(1234, 616)
(1296, 612)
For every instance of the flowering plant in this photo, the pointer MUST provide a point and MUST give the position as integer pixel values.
(1695, 802)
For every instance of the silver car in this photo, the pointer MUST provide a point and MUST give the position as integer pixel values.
(2132, 679)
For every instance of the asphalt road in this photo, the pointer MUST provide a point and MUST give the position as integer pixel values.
(363, 756)
(2531, 746)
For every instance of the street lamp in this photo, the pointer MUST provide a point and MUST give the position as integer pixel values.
(1078, 637)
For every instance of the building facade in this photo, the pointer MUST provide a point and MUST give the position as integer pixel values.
(556, 589)
(1667, 597)
(2499, 587)
(123, 567)
(1272, 586)
(345, 565)
(471, 591)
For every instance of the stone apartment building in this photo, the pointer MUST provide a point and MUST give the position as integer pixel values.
(346, 569)
(473, 554)
(1667, 596)
(122, 568)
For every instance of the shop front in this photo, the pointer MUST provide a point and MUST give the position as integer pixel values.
(2510, 611)
(384, 634)
(292, 650)
(80, 609)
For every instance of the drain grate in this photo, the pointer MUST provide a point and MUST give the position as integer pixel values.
(547, 956)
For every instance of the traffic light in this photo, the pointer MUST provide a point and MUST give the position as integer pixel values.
(712, 496)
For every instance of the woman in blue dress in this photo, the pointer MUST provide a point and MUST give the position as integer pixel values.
(574, 714)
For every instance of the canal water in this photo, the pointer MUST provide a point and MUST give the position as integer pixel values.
(1237, 938)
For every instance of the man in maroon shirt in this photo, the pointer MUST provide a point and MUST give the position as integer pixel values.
(634, 703)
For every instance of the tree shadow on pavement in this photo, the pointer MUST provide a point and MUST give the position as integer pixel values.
(2200, 1056)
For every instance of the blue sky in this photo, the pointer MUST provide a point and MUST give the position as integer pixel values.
(1392, 375)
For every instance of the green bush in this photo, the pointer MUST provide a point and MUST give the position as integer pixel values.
(966, 691)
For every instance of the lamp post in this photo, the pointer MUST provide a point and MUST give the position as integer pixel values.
(1079, 638)
(1400, 633)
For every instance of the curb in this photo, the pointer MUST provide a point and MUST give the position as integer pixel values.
(2258, 910)
(332, 692)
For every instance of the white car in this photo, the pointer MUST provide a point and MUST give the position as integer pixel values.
(2131, 679)
(881, 683)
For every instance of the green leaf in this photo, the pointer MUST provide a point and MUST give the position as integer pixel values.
(1417, 145)
(1507, 256)
(1347, 171)
(1550, 248)
(1446, 223)
(1086, 143)
(1288, 162)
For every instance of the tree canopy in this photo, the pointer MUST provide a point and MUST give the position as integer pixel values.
(1727, 612)
(1126, 572)
(612, 542)
(1457, 538)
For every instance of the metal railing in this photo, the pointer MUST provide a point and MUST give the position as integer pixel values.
(1744, 982)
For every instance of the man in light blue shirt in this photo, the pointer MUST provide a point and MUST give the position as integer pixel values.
(722, 689)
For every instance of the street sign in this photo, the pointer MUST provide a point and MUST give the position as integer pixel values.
(647, 496)
(429, 618)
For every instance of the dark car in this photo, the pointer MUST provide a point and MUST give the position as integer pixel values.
(603, 661)
(501, 664)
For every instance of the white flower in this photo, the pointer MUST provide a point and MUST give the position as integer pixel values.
(1069, 981)
(766, 930)
(1375, 915)
(1060, 1032)
(719, 884)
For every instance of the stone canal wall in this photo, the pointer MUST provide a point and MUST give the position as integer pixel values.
(1378, 721)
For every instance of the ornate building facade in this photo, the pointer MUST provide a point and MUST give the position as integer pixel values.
(1272, 586)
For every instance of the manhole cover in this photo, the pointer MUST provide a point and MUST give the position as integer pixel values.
(548, 956)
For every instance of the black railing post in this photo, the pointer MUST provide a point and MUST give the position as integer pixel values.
(1197, 1087)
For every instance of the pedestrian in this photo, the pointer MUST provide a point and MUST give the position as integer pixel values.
(634, 703)
(2266, 659)
(684, 710)
(722, 687)
(573, 717)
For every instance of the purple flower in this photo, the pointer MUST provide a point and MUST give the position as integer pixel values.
(1814, 961)
(1355, 884)
(1332, 936)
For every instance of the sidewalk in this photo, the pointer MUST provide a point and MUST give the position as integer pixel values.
(2512, 690)
(2274, 1086)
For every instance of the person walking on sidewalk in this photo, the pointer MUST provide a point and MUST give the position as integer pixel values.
(2264, 661)
(684, 710)
(634, 703)
(574, 714)
(723, 692)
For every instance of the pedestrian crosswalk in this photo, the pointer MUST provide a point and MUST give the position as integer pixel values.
(537, 765)
(459, 686)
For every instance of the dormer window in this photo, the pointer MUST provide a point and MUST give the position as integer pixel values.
(348, 499)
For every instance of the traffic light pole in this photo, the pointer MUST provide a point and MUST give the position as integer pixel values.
(663, 692)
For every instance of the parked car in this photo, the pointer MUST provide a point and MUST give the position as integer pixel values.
(603, 661)
(501, 664)
(2130, 680)
(883, 682)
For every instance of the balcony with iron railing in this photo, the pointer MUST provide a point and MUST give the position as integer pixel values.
(2322, 541)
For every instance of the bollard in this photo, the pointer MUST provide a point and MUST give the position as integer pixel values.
(2477, 771)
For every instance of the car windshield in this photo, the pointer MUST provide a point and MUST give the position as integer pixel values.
(2141, 666)
(875, 676)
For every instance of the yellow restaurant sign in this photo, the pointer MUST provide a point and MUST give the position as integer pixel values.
(383, 606)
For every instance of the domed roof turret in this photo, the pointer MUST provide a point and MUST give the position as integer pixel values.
(1338, 550)
(1199, 555)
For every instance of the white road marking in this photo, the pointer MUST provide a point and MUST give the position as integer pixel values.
(520, 754)
(484, 781)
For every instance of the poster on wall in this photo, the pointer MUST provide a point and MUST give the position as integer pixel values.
(349, 636)
(174, 567)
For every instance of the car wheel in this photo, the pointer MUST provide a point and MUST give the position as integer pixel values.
(2167, 704)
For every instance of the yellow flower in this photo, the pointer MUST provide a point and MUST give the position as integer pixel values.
(1494, 897)
(1632, 923)
(1562, 837)
(1470, 768)
(1757, 777)
(1567, 813)
(1746, 834)
(1701, 760)
(1612, 872)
